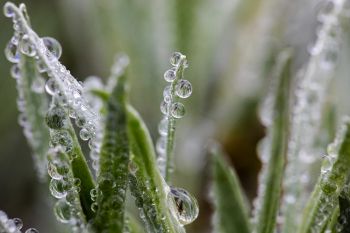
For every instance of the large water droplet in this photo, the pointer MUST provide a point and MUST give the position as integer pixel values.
(26, 47)
(18, 222)
(185, 206)
(327, 164)
(62, 211)
(84, 134)
(9, 11)
(51, 87)
(170, 75)
(52, 171)
(183, 88)
(58, 188)
(177, 110)
(53, 46)
(15, 71)
(56, 118)
(164, 107)
(175, 58)
(11, 52)
(32, 230)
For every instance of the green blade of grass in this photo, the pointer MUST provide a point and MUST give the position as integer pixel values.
(228, 198)
(332, 180)
(274, 152)
(146, 183)
(114, 159)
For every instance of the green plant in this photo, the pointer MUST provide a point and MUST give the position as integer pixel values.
(124, 158)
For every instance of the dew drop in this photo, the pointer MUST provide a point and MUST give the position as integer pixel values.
(161, 145)
(15, 71)
(94, 207)
(80, 121)
(183, 89)
(18, 223)
(53, 46)
(38, 85)
(84, 134)
(11, 52)
(327, 164)
(56, 118)
(58, 188)
(9, 11)
(62, 211)
(32, 230)
(175, 58)
(177, 110)
(163, 127)
(185, 206)
(26, 46)
(52, 171)
(170, 75)
(164, 107)
(51, 87)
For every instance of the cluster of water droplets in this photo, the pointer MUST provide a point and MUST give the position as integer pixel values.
(314, 80)
(65, 188)
(60, 84)
(13, 225)
(170, 107)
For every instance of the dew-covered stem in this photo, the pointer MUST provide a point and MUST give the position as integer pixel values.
(334, 173)
(274, 115)
(228, 197)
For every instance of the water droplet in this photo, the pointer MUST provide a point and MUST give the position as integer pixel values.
(177, 110)
(53, 46)
(52, 171)
(15, 71)
(161, 145)
(175, 58)
(183, 88)
(11, 52)
(328, 187)
(63, 211)
(58, 188)
(163, 127)
(84, 134)
(56, 118)
(185, 206)
(80, 121)
(94, 207)
(164, 107)
(41, 66)
(327, 164)
(93, 194)
(170, 75)
(9, 11)
(32, 230)
(18, 222)
(38, 85)
(51, 87)
(26, 47)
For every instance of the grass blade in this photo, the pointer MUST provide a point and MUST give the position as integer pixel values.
(275, 116)
(114, 159)
(228, 198)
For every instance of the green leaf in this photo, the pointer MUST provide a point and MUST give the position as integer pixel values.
(146, 183)
(335, 170)
(274, 146)
(114, 159)
(231, 216)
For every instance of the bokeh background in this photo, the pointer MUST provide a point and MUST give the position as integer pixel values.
(231, 46)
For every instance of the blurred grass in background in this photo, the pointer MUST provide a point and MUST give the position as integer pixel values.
(231, 46)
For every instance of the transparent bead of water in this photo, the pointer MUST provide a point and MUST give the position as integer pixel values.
(56, 118)
(51, 87)
(84, 134)
(18, 222)
(183, 89)
(164, 107)
(184, 205)
(31, 230)
(15, 71)
(11, 52)
(62, 211)
(161, 145)
(26, 47)
(53, 171)
(170, 75)
(94, 207)
(58, 188)
(327, 164)
(9, 11)
(53, 46)
(163, 127)
(175, 58)
(177, 110)
(41, 66)
(80, 121)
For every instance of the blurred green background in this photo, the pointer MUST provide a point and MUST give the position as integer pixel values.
(231, 46)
